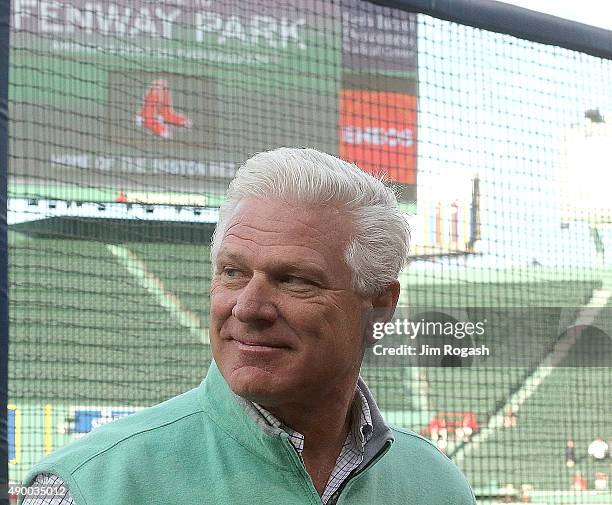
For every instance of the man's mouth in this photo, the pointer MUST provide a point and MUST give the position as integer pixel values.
(259, 343)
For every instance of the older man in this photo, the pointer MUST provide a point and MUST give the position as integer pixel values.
(306, 258)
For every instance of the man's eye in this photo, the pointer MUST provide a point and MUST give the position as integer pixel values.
(294, 279)
(231, 272)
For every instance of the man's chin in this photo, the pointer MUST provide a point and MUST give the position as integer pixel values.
(253, 383)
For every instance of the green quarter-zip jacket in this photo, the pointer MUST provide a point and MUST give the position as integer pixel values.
(202, 447)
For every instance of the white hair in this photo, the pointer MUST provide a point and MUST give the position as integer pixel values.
(378, 248)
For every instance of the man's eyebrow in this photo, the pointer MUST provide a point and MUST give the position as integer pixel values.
(230, 256)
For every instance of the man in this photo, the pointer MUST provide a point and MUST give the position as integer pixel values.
(306, 258)
(570, 454)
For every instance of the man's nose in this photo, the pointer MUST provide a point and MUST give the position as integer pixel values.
(255, 302)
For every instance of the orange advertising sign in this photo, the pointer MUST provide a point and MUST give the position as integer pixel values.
(378, 132)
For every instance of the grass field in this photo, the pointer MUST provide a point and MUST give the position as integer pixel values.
(126, 324)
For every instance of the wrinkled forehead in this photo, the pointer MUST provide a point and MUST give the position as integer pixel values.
(272, 228)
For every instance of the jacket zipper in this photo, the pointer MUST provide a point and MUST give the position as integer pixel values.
(336, 496)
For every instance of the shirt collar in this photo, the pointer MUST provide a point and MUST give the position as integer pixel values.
(361, 427)
(296, 438)
(362, 417)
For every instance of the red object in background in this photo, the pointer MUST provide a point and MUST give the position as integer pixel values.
(579, 483)
(168, 115)
(436, 424)
(157, 112)
(469, 421)
(453, 420)
(122, 197)
(378, 132)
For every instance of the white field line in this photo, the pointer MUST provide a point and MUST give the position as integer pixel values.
(587, 314)
(135, 266)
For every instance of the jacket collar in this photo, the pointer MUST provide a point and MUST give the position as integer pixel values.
(381, 433)
(229, 412)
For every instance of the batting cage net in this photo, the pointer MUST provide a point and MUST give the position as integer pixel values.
(128, 119)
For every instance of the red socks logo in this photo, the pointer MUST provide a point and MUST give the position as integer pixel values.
(157, 114)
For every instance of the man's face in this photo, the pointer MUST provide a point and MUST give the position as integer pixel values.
(286, 325)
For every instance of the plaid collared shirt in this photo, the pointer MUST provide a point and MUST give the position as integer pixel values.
(48, 480)
(351, 454)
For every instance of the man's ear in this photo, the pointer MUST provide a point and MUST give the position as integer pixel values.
(385, 302)
(383, 308)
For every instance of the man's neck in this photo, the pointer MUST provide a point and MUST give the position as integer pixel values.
(325, 425)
